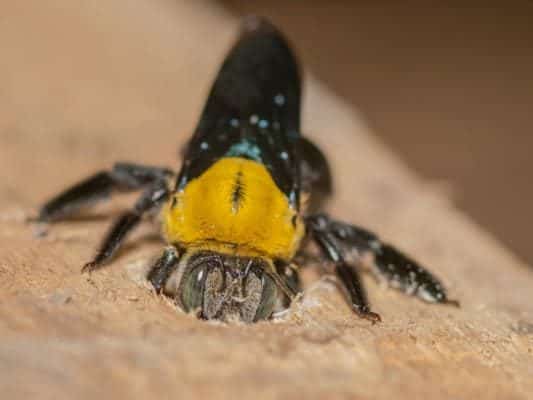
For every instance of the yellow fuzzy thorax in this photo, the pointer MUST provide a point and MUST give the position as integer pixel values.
(234, 207)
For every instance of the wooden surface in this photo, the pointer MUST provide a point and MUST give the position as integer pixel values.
(83, 85)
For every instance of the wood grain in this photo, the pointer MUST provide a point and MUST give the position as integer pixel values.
(85, 84)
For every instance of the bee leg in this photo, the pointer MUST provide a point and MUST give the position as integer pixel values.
(289, 272)
(151, 198)
(389, 265)
(163, 268)
(124, 177)
(402, 273)
(347, 275)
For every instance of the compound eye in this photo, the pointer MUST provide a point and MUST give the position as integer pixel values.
(269, 295)
(192, 287)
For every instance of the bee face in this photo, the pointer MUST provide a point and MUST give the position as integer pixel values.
(227, 288)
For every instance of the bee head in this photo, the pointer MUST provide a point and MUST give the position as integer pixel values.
(224, 287)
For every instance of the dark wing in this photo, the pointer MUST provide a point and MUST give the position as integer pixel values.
(253, 110)
(316, 174)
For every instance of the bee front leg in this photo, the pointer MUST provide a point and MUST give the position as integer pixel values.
(163, 268)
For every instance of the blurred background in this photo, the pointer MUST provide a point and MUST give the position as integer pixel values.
(448, 88)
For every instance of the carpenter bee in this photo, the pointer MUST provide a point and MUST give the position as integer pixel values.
(244, 203)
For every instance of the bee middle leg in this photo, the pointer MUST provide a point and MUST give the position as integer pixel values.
(347, 275)
(150, 199)
(390, 265)
(123, 177)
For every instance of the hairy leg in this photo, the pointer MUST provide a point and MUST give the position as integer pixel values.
(163, 268)
(124, 177)
(390, 265)
(151, 198)
(348, 277)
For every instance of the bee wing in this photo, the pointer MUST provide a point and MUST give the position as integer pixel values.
(259, 77)
(315, 174)
(253, 109)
